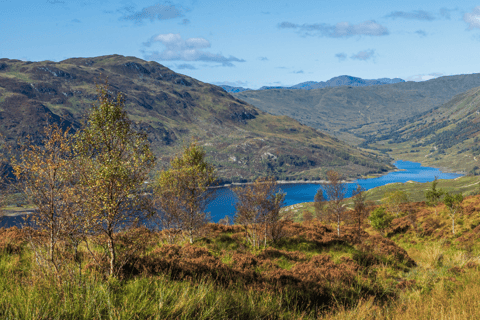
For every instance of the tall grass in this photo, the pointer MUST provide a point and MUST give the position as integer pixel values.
(447, 285)
(24, 295)
(457, 299)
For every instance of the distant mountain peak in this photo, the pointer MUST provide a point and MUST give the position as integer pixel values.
(343, 80)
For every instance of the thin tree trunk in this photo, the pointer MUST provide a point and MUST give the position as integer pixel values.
(338, 225)
(52, 250)
(265, 240)
(111, 248)
(453, 223)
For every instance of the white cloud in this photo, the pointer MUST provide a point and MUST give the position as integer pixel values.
(473, 18)
(177, 49)
(339, 30)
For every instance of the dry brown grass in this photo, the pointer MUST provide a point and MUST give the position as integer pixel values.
(450, 299)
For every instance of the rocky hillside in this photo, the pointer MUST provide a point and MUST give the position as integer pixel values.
(242, 141)
(352, 112)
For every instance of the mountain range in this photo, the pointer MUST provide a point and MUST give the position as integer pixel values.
(334, 82)
(242, 141)
(352, 113)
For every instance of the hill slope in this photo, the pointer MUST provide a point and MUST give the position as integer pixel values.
(242, 141)
(447, 136)
(357, 111)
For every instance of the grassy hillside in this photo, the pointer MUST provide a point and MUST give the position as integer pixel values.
(220, 276)
(420, 270)
(242, 141)
(447, 136)
(467, 185)
(352, 112)
(444, 283)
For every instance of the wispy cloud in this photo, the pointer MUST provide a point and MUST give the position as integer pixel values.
(447, 13)
(341, 56)
(184, 66)
(339, 30)
(424, 77)
(473, 18)
(178, 49)
(298, 72)
(363, 55)
(237, 83)
(421, 33)
(412, 15)
(155, 12)
(263, 58)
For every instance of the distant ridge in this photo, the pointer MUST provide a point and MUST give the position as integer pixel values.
(353, 112)
(334, 82)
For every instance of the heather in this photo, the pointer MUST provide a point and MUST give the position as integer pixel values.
(219, 276)
(416, 268)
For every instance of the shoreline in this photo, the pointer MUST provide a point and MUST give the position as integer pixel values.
(14, 213)
(372, 176)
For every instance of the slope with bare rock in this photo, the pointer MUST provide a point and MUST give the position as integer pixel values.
(242, 141)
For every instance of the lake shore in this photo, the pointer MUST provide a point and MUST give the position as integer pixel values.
(373, 175)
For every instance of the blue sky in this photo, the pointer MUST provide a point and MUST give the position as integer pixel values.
(254, 43)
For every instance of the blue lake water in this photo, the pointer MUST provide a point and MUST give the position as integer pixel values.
(224, 202)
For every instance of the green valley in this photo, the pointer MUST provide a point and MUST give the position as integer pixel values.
(447, 136)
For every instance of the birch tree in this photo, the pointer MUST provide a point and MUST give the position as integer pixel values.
(361, 209)
(333, 210)
(433, 195)
(46, 174)
(114, 162)
(394, 200)
(258, 210)
(454, 205)
(182, 191)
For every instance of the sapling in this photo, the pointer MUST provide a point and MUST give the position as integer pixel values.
(454, 205)
(433, 195)
(380, 220)
(334, 209)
